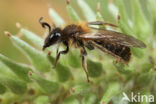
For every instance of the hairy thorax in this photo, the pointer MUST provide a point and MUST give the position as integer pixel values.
(71, 32)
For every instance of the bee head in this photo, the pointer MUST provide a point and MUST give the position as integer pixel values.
(53, 38)
(54, 34)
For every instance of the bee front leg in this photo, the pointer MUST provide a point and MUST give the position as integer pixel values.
(84, 65)
(58, 55)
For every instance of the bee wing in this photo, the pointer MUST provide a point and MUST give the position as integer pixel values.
(113, 37)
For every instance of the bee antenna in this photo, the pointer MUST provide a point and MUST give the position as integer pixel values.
(44, 24)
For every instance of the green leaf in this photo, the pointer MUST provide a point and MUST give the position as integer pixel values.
(112, 90)
(71, 100)
(124, 69)
(139, 53)
(147, 93)
(81, 89)
(36, 40)
(42, 100)
(32, 37)
(74, 59)
(89, 99)
(72, 14)
(146, 67)
(122, 11)
(99, 17)
(46, 86)
(152, 6)
(125, 28)
(141, 25)
(112, 9)
(63, 73)
(15, 85)
(145, 79)
(87, 11)
(37, 58)
(56, 18)
(20, 70)
(5, 70)
(2, 89)
(94, 68)
(123, 20)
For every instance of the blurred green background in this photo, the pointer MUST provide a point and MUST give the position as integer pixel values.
(109, 79)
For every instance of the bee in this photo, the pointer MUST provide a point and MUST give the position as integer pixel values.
(82, 36)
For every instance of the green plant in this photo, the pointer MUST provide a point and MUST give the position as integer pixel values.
(38, 83)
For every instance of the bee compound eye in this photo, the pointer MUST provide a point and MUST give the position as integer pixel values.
(58, 34)
(51, 36)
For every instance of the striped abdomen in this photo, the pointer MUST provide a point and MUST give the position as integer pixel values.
(116, 50)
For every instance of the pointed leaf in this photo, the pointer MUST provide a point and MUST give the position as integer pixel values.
(32, 37)
(139, 53)
(153, 10)
(56, 18)
(122, 11)
(47, 86)
(15, 85)
(112, 90)
(37, 58)
(81, 89)
(74, 59)
(141, 25)
(113, 9)
(124, 69)
(145, 79)
(99, 17)
(63, 73)
(90, 99)
(42, 100)
(94, 68)
(72, 14)
(145, 92)
(20, 70)
(71, 100)
(5, 70)
(87, 11)
(124, 27)
(146, 67)
(2, 89)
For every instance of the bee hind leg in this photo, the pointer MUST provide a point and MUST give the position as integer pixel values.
(83, 54)
(117, 60)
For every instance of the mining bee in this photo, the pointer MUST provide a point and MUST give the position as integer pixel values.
(81, 36)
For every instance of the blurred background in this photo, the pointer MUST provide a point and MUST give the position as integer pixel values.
(27, 13)
(139, 72)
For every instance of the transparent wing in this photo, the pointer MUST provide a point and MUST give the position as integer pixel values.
(113, 37)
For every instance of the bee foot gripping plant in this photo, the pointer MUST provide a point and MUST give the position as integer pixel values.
(38, 83)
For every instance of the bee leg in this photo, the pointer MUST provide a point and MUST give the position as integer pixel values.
(83, 54)
(101, 23)
(57, 49)
(58, 55)
(117, 60)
